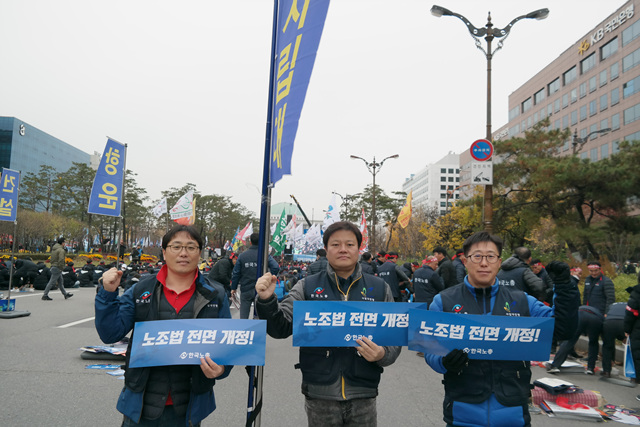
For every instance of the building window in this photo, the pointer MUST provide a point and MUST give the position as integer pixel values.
(556, 124)
(565, 121)
(593, 84)
(526, 105)
(443, 179)
(457, 179)
(583, 133)
(556, 105)
(604, 151)
(603, 77)
(443, 187)
(633, 137)
(630, 33)
(450, 179)
(615, 146)
(631, 60)
(574, 117)
(443, 204)
(631, 87)
(604, 102)
(513, 113)
(583, 89)
(549, 109)
(604, 123)
(570, 75)
(615, 121)
(450, 171)
(535, 117)
(538, 97)
(583, 155)
(594, 154)
(457, 170)
(565, 146)
(614, 71)
(588, 63)
(583, 113)
(593, 107)
(632, 114)
(615, 96)
(609, 49)
(443, 170)
(593, 128)
(574, 95)
(443, 195)
(565, 100)
(553, 87)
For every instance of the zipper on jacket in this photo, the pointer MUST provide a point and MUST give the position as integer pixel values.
(343, 395)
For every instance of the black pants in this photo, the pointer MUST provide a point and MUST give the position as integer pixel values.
(611, 330)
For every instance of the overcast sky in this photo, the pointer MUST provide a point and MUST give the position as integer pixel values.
(184, 84)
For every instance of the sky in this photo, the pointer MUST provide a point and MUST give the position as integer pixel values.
(184, 85)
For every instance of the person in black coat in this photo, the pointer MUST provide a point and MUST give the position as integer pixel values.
(44, 274)
(612, 330)
(366, 264)
(445, 270)
(222, 270)
(458, 263)
(86, 275)
(69, 276)
(26, 270)
(4, 275)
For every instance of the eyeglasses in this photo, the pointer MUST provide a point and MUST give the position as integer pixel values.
(477, 258)
(176, 249)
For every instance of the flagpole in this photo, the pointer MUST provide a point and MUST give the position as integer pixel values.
(254, 404)
(124, 179)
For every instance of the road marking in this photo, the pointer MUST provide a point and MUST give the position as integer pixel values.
(88, 319)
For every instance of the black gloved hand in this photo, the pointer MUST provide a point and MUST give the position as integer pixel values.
(559, 272)
(455, 361)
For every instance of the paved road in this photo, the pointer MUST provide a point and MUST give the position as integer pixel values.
(43, 380)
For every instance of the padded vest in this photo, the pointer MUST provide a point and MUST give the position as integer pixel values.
(179, 380)
(510, 381)
(513, 278)
(387, 272)
(324, 365)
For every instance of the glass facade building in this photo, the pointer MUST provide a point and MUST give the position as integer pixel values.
(25, 148)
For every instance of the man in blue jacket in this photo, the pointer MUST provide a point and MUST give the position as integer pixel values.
(245, 275)
(164, 395)
(484, 392)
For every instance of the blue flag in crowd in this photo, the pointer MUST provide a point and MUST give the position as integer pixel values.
(9, 183)
(482, 337)
(340, 323)
(300, 25)
(106, 193)
(185, 341)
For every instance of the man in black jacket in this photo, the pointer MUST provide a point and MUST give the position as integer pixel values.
(320, 264)
(445, 270)
(426, 283)
(394, 275)
(516, 272)
(368, 266)
(245, 274)
(340, 384)
(222, 270)
(458, 263)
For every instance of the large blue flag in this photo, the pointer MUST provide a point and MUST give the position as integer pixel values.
(300, 25)
(9, 183)
(106, 193)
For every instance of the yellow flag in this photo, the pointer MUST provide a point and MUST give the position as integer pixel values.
(405, 214)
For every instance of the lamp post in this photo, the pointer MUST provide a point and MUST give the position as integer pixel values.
(578, 143)
(489, 33)
(374, 167)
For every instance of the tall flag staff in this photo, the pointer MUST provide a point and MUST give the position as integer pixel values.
(107, 193)
(9, 187)
(296, 35)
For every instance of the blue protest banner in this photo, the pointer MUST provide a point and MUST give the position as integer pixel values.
(340, 323)
(106, 193)
(9, 183)
(185, 341)
(482, 337)
(299, 30)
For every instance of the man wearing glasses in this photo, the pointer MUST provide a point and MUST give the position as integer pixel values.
(164, 395)
(484, 392)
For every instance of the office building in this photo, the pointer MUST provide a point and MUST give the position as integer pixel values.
(436, 184)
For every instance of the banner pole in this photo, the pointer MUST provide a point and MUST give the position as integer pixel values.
(13, 261)
(256, 375)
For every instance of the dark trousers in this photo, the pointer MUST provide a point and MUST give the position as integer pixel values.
(589, 324)
(611, 330)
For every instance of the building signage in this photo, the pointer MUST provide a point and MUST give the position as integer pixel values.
(613, 24)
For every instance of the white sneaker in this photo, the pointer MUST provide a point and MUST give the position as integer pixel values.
(553, 370)
(588, 372)
(31, 290)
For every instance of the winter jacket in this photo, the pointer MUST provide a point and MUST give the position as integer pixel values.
(245, 272)
(447, 272)
(342, 369)
(426, 285)
(489, 412)
(317, 266)
(42, 279)
(115, 318)
(221, 272)
(515, 272)
(461, 270)
(599, 292)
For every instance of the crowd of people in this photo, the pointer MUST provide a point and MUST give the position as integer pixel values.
(340, 384)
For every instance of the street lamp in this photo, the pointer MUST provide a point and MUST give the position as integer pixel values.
(489, 33)
(578, 143)
(374, 167)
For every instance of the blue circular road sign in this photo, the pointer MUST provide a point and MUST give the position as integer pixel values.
(481, 150)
